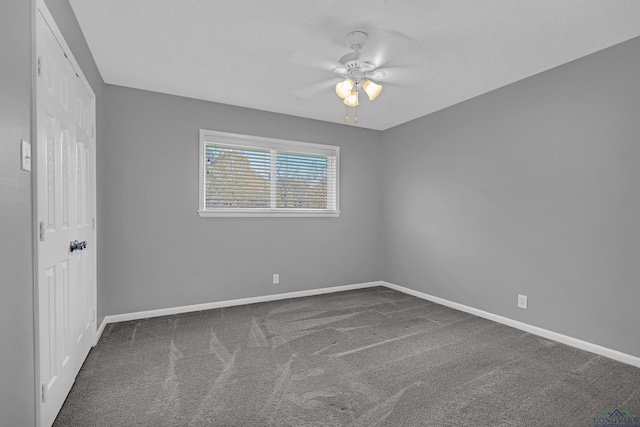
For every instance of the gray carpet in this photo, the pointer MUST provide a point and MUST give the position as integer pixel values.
(371, 357)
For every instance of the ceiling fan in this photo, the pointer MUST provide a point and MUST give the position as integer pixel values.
(361, 69)
(356, 73)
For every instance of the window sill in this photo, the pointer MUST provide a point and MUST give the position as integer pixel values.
(257, 213)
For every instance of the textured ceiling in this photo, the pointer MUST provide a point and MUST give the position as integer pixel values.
(279, 55)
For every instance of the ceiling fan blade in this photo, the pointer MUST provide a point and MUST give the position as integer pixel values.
(393, 75)
(317, 88)
(307, 60)
(340, 70)
(383, 46)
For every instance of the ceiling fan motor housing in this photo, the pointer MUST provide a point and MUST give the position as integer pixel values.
(355, 39)
(356, 69)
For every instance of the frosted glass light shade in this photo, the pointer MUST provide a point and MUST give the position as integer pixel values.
(352, 99)
(343, 89)
(372, 89)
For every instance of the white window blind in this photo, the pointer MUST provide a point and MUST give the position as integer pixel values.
(244, 175)
(237, 177)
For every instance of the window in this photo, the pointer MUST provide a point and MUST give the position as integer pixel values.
(242, 175)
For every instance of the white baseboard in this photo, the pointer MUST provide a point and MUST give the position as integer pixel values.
(545, 333)
(230, 303)
(100, 330)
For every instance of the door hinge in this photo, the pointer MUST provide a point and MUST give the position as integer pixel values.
(93, 131)
(93, 224)
(42, 231)
(43, 392)
(93, 316)
(39, 66)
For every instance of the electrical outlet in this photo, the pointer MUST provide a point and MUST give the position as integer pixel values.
(522, 301)
(276, 279)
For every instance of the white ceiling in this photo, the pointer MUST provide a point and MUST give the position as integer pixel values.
(274, 55)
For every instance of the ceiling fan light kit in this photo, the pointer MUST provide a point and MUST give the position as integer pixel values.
(372, 89)
(356, 73)
(352, 99)
(343, 89)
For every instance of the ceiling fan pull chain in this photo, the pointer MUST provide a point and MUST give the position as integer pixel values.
(346, 117)
(356, 119)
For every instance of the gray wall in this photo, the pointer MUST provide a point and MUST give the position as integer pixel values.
(159, 253)
(530, 189)
(68, 25)
(17, 383)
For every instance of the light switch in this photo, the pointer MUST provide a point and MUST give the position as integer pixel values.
(25, 153)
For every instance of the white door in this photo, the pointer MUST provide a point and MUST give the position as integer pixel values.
(65, 173)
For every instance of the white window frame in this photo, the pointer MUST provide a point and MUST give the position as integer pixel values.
(232, 139)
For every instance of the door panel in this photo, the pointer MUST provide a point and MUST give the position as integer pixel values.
(65, 175)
